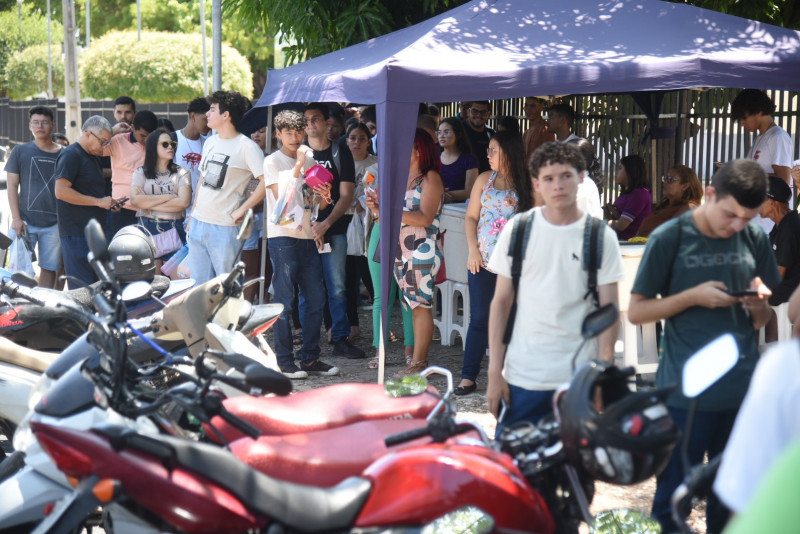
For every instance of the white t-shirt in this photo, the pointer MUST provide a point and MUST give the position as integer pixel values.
(768, 422)
(239, 159)
(589, 198)
(773, 147)
(188, 155)
(278, 169)
(550, 304)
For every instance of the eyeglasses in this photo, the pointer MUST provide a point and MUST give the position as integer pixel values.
(102, 143)
(41, 123)
(479, 112)
(167, 144)
(492, 151)
(444, 132)
(669, 179)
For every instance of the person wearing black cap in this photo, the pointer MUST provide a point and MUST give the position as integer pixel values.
(785, 239)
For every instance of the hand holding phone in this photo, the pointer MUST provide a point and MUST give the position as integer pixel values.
(119, 203)
(746, 293)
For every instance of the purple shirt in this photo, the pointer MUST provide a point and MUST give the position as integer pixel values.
(634, 207)
(454, 175)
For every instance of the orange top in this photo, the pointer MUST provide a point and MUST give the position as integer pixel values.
(127, 155)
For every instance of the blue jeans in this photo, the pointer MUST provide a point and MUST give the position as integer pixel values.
(333, 269)
(709, 433)
(49, 249)
(481, 291)
(212, 250)
(526, 405)
(74, 250)
(296, 262)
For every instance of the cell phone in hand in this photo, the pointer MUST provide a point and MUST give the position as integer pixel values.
(119, 203)
(746, 293)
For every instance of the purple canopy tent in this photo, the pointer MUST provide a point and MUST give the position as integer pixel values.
(512, 48)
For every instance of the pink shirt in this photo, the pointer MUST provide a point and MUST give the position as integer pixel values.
(126, 157)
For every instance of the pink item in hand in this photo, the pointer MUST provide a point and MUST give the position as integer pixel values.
(318, 175)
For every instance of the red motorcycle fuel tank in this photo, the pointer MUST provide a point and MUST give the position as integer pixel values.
(416, 486)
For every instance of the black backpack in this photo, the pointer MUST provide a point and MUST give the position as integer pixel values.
(592, 258)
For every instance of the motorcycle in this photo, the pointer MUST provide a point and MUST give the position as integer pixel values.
(519, 484)
(74, 401)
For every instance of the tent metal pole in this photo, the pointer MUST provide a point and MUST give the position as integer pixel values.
(265, 283)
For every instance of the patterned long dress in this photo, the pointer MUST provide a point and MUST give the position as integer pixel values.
(419, 261)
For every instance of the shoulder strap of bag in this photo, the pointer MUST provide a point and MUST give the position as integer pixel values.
(337, 159)
(592, 255)
(520, 234)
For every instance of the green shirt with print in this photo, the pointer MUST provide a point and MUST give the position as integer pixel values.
(678, 257)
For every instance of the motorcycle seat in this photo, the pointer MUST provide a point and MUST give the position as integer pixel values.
(35, 360)
(83, 295)
(299, 507)
(320, 409)
(327, 457)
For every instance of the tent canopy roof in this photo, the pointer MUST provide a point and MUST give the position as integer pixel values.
(508, 48)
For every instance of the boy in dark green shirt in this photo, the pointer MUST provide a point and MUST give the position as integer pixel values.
(698, 264)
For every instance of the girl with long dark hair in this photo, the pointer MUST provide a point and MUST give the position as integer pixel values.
(498, 194)
(459, 165)
(161, 189)
(634, 202)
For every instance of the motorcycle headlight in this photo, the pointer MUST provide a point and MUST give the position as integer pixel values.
(38, 390)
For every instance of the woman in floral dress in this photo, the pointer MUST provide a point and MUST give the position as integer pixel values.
(496, 196)
(419, 258)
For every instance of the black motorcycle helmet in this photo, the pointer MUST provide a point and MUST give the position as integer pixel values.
(132, 255)
(630, 440)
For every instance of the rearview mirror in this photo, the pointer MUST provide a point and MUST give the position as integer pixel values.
(135, 291)
(246, 228)
(599, 320)
(96, 240)
(709, 364)
(267, 380)
(24, 279)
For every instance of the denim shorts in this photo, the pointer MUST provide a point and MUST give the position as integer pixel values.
(49, 249)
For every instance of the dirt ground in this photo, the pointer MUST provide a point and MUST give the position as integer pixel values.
(472, 407)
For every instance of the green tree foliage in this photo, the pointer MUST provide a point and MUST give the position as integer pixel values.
(316, 27)
(33, 30)
(784, 13)
(163, 67)
(26, 72)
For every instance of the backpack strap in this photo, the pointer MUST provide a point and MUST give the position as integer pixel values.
(592, 255)
(337, 159)
(520, 234)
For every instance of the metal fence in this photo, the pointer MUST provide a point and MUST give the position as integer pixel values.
(14, 115)
(704, 131)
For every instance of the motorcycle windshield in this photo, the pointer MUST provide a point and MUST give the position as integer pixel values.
(72, 393)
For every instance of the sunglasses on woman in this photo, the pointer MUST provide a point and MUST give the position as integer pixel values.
(168, 144)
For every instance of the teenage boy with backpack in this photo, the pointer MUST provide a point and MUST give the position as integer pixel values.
(559, 282)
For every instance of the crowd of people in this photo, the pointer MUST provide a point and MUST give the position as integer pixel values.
(310, 179)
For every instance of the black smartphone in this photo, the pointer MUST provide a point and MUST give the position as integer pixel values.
(747, 293)
(119, 203)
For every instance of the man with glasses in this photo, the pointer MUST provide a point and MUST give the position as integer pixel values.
(479, 134)
(80, 190)
(31, 193)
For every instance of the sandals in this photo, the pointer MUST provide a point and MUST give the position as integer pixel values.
(409, 359)
(412, 369)
(373, 363)
(297, 337)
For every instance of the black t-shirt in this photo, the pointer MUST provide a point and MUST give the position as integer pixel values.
(785, 239)
(83, 171)
(480, 144)
(347, 173)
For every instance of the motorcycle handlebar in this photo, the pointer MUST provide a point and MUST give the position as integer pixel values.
(428, 430)
(697, 483)
(235, 273)
(14, 290)
(239, 424)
